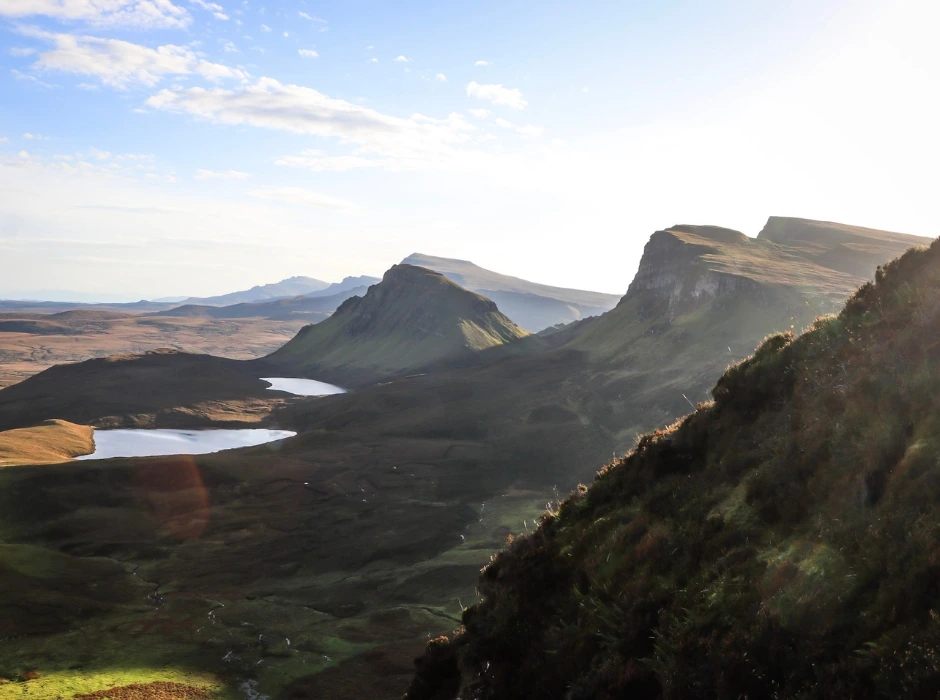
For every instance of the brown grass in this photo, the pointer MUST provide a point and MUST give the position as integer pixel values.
(75, 339)
(49, 443)
(158, 690)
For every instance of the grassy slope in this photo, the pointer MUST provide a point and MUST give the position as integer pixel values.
(156, 389)
(778, 542)
(413, 318)
(50, 442)
(347, 539)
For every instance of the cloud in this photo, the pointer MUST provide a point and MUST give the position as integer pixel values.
(369, 48)
(286, 35)
(402, 59)
(497, 94)
(480, 113)
(440, 77)
(265, 28)
(373, 60)
(229, 46)
(87, 86)
(298, 195)
(503, 123)
(217, 10)
(304, 15)
(308, 53)
(482, 63)
(99, 154)
(20, 75)
(35, 137)
(530, 130)
(120, 63)
(21, 52)
(272, 105)
(316, 161)
(4, 139)
(142, 14)
(220, 175)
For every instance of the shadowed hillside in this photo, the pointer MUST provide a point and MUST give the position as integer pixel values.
(365, 533)
(162, 388)
(412, 319)
(780, 541)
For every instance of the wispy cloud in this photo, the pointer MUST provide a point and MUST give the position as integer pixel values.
(497, 94)
(373, 60)
(503, 123)
(217, 10)
(35, 137)
(298, 195)
(482, 63)
(21, 52)
(441, 78)
(121, 63)
(265, 28)
(220, 175)
(308, 53)
(480, 113)
(402, 59)
(142, 14)
(311, 18)
(403, 143)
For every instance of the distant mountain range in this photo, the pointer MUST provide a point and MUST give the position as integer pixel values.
(532, 305)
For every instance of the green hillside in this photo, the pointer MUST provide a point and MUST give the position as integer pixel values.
(412, 319)
(780, 541)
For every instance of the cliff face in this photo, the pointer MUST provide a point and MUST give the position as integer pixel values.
(780, 541)
(675, 276)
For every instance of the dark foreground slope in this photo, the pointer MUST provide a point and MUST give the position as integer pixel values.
(412, 319)
(780, 541)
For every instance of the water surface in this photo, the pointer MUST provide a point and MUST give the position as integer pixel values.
(302, 387)
(135, 442)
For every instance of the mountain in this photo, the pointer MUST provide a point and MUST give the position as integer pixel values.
(348, 284)
(290, 287)
(779, 541)
(412, 319)
(704, 297)
(367, 531)
(312, 308)
(533, 306)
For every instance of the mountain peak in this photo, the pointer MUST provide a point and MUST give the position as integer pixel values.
(413, 318)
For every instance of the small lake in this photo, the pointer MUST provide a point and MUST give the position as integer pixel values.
(302, 387)
(150, 443)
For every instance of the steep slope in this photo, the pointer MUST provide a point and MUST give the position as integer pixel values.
(310, 308)
(412, 319)
(780, 541)
(703, 297)
(533, 306)
(290, 287)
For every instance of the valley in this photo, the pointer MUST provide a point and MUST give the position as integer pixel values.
(320, 565)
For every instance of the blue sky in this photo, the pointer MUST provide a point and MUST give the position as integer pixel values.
(164, 147)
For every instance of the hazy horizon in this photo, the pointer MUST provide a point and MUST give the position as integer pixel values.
(194, 148)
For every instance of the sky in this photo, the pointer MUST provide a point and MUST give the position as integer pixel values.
(154, 148)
